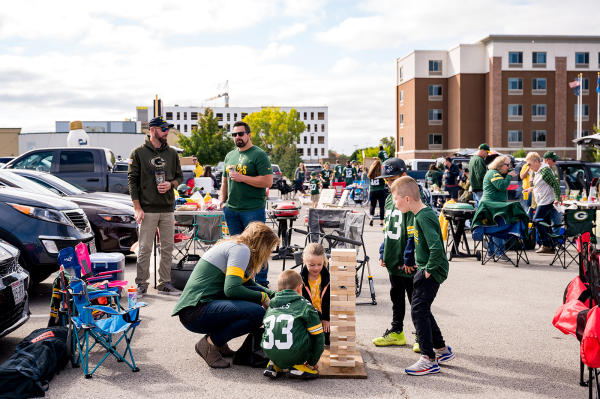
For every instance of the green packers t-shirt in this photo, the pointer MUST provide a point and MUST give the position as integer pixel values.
(349, 175)
(338, 171)
(430, 253)
(326, 177)
(252, 162)
(398, 227)
(376, 185)
(314, 186)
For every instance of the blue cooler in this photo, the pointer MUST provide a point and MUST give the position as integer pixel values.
(106, 262)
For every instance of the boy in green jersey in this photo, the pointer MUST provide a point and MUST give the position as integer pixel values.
(314, 184)
(326, 174)
(293, 337)
(338, 169)
(432, 270)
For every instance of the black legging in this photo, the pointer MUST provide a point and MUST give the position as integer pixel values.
(377, 196)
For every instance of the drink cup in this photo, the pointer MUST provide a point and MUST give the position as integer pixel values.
(160, 176)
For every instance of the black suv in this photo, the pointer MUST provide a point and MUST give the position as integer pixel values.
(14, 281)
(40, 226)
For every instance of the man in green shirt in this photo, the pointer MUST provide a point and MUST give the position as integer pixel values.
(326, 175)
(349, 174)
(338, 169)
(246, 176)
(477, 171)
(382, 154)
(432, 270)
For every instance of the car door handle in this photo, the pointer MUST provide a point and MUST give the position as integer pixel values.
(93, 179)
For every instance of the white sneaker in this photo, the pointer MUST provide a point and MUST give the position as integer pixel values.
(423, 366)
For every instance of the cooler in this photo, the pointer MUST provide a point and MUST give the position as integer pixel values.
(104, 263)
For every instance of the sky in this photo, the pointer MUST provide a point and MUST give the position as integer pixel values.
(98, 60)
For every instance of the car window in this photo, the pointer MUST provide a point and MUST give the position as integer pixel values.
(275, 168)
(76, 161)
(14, 180)
(41, 161)
(121, 167)
(423, 165)
(595, 171)
(574, 177)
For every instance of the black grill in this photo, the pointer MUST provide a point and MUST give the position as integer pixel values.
(78, 219)
(8, 266)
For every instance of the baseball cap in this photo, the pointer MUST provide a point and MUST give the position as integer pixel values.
(313, 173)
(392, 167)
(550, 155)
(484, 146)
(159, 122)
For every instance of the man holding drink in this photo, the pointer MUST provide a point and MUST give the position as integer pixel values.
(154, 170)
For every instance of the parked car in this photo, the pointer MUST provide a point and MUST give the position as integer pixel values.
(40, 226)
(5, 160)
(577, 175)
(121, 167)
(113, 224)
(312, 167)
(87, 167)
(14, 281)
(276, 174)
(65, 188)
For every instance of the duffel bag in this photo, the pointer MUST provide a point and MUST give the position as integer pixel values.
(590, 342)
(181, 271)
(36, 360)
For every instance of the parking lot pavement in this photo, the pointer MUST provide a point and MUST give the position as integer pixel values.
(496, 317)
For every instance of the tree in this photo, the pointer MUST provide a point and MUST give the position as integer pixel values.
(520, 153)
(273, 128)
(287, 158)
(207, 141)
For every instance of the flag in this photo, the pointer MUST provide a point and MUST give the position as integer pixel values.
(574, 83)
(598, 84)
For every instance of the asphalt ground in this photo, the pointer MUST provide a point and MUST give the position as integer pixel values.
(496, 317)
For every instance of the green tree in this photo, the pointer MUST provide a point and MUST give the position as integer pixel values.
(207, 141)
(520, 153)
(287, 158)
(272, 128)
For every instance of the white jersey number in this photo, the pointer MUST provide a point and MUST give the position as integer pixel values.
(393, 227)
(287, 331)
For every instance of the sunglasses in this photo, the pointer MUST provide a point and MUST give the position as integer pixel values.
(165, 129)
(238, 134)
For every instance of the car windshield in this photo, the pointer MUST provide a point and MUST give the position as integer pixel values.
(12, 179)
(52, 182)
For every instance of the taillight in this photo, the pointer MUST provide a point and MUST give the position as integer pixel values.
(278, 173)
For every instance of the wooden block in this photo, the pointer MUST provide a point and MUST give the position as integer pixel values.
(341, 252)
(342, 317)
(343, 363)
(343, 324)
(341, 291)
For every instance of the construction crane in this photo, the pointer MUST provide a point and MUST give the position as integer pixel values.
(225, 94)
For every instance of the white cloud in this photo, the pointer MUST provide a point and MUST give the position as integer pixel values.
(290, 31)
(345, 66)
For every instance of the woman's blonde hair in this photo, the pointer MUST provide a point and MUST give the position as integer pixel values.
(261, 240)
(496, 163)
(314, 249)
(533, 156)
(375, 169)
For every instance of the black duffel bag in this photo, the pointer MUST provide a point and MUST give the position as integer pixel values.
(181, 271)
(37, 358)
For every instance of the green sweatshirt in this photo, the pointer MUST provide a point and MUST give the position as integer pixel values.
(477, 171)
(142, 180)
(293, 331)
(430, 254)
(397, 228)
(495, 186)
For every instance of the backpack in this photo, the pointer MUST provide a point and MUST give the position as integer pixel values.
(37, 358)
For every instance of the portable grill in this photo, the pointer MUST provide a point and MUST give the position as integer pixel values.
(457, 215)
(284, 212)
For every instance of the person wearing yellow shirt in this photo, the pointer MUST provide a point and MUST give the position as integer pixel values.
(199, 170)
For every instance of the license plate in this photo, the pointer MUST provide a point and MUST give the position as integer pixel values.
(18, 290)
(92, 246)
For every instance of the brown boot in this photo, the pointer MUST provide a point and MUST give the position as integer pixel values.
(225, 351)
(545, 250)
(210, 354)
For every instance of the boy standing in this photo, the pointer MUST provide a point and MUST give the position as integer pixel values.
(314, 184)
(293, 337)
(432, 270)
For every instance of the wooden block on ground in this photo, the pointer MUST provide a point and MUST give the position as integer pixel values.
(341, 252)
(326, 370)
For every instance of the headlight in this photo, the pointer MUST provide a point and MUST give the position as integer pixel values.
(123, 219)
(49, 215)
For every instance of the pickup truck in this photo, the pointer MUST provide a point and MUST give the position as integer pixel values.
(89, 168)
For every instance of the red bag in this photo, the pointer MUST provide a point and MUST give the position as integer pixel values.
(565, 317)
(574, 291)
(590, 343)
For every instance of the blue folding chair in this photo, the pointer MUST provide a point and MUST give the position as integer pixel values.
(90, 329)
(512, 234)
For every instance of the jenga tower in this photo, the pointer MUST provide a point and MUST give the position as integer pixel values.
(342, 272)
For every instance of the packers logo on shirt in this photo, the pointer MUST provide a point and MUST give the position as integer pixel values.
(580, 216)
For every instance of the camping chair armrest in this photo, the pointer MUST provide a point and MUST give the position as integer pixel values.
(103, 309)
(297, 230)
(109, 272)
(101, 294)
(136, 306)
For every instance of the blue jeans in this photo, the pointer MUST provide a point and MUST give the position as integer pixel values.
(477, 197)
(542, 214)
(223, 320)
(237, 222)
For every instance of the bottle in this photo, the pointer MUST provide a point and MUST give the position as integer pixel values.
(131, 297)
(207, 198)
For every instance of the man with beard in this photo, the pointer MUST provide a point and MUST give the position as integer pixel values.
(154, 170)
(246, 176)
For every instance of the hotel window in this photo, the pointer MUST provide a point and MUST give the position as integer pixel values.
(400, 73)
(515, 138)
(515, 58)
(538, 112)
(321, 116)
(312, 140)
(515, 112)
(244, 114)
(312, 116)
(228, 117)
(435, 116)
(235, 117)
(178, 117)
(178, 128)
(169, 116)
(538, 86)
(401, 97)
(307, 127)
(582, 60)
(185, 116)
(301, 151)
(435, 140)
(435, 92)
(185, 128)
(585, 86)
(305, 116)
(583, 133)
(538, 138)
(539, 58)
(435, 67)
(316, 152)
(305, 140)
(220, 117)
(515, 86)
(401, 120)
(316, 130)
(585, 112)
(320, 139)
(322, 152)
(401, 141)
(322, 128)
(194, 116)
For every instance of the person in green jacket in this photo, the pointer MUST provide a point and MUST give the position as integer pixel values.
(349, 174)
(338, 171)
(433, 176)
(221, 298)
(398, 228)
(432, 271)
(477, 171)
(382, 154)
(293, 337)
(326, 175)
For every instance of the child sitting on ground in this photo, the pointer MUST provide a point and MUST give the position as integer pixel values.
(293, 337)
(432, 270)
(315, 277)
(314, 185)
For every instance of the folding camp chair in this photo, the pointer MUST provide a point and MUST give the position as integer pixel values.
(512, 234)
(203, 231)
(576, 222)
(89, 330)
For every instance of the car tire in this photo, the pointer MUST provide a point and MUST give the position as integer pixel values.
(36, 276)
